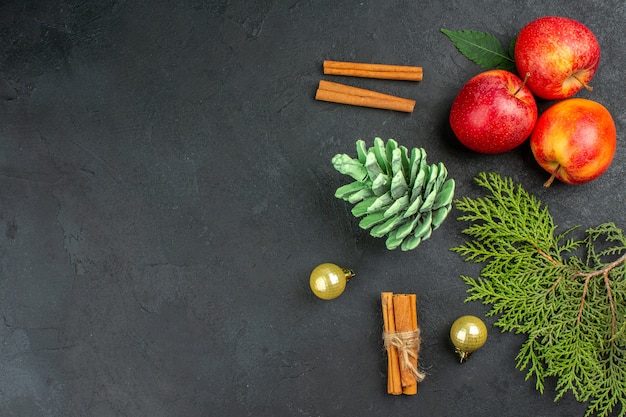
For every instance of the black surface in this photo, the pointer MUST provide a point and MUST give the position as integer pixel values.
(166, 189)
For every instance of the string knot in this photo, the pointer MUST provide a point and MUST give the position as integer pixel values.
(408, 346)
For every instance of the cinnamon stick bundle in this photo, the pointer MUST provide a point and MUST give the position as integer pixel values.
(345, 94)
(367, 70)
(402, 339)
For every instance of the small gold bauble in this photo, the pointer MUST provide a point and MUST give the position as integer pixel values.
(468, 334)
(329, 280)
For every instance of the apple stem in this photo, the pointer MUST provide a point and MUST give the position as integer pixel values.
(552, 177)
(523, 83)
(587, 86)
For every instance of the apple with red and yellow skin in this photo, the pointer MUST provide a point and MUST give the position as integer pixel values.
(560, 54)
(493, 112)
(574, 140)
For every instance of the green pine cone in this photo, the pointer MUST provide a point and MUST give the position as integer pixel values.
(396, 193)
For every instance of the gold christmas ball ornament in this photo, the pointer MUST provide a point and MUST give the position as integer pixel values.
(329, 280)
(468, 334)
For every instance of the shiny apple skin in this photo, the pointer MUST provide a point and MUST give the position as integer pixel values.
(560, 54)
(576, 137)
(493, 112)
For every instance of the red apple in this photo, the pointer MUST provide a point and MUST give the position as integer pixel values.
(494, 112)
(574, 140)
(560, 54)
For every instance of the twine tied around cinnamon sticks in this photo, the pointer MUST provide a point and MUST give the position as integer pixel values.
(402, 340)
(408, 346)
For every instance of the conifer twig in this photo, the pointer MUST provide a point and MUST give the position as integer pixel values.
(604, 272)
(577, 334)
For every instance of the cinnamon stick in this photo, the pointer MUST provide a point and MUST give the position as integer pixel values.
(415, 324)
(404, 323)
(394, 383)
(410, 388)
(345, 94)
(380, 71)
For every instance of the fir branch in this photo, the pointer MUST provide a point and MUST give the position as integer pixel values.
(571, 308)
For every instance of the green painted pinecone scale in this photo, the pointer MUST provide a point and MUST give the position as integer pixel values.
(395, 192)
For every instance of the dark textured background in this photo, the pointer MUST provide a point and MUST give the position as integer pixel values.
(166, 189)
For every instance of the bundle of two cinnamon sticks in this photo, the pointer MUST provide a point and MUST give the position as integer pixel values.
(344, 94)
(402, 339)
